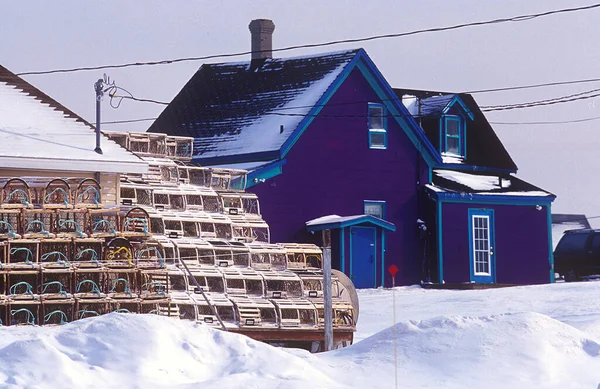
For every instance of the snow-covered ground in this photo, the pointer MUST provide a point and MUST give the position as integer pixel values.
(525, 337)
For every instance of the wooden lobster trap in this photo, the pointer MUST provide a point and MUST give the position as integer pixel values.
(4, 249)
(56, 284)
(103, 223)
(24, 312)
(90, 307)
(118, 253)
(134, 222)
(90, 283)
(122, 283)
(39, 223)
(11, 224)
(58, 311)
(3, 312)
(255, 312)
(125, 305)
(154, 284)
(57, 195)
(71, 223)
(3, 283)
(88, 194)
(16, 193)
(23, 254)
(55, 253)
(149, 255)
(22, 284)
(87, 252)
(155, 306)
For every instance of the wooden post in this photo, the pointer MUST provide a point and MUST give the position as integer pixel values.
(327, 303)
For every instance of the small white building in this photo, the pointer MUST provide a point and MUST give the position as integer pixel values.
(40, 137)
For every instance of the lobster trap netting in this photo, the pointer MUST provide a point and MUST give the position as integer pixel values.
(57, 194)
(16, 194)
(88, 194)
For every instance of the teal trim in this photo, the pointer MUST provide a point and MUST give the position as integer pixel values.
(351, 257)
(457, 99)
(375, 131)
(475, 168)
(499, 199)
(265, 173)
(375, 202)
(550, 250)
(460, 136)
(483, 279)
(382, 257)
(365, 219)
(439, 245)
(343, 250)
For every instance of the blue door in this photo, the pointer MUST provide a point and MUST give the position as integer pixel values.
(481, 245)
(363, 256)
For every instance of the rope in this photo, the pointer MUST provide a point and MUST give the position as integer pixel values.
(83, 312)
(161, 261)
(28, 287)
(60, 255)
(64, 222)
(25, 195)
(65, 196)
(153, 311)
(60, 287)
(28, 256)
(37, 222)
(129, 220)
(110, 226)
(128, 256)
(126, 289)
(88, 250)
(95, 288)
(160, 288)
(89, 189)
(63, 317)
(122, 310)
(30, 317)
(11, 230)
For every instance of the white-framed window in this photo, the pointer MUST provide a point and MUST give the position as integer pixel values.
(377, 126)
(481, 244)
(374, 208)
(453, 133)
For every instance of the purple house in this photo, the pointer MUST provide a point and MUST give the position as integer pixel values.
(417, 179)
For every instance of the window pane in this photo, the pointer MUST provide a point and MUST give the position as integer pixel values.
(375, 117)
(452, 127)
(374, 209)
(452, 145)
(377, 139)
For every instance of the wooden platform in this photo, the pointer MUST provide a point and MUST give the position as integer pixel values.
(466, 286)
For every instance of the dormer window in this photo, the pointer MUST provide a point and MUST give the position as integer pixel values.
(453, 135)
(377, 126)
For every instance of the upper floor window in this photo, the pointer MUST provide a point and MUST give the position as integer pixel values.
(377, 126)
(453, 135)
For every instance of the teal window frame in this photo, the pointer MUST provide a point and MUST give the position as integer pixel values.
(377, 131)
(375, 202)
(460, 137)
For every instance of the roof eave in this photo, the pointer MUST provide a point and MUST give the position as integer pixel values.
(56, 164)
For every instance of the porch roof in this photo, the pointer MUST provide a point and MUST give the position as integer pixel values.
(332, 222)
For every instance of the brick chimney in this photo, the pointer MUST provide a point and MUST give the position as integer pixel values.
(262, 38)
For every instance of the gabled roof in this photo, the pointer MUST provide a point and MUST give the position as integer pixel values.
(484, 148)
(37, 132)
(256, 110)
(332, 222)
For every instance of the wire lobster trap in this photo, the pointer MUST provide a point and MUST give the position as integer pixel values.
(23, 254)
(120, 138)
(88, 194)
(264, 256)
(16, 193)
(250, 204)
(302, 256)
(220, 179)
(223, 306)
(198, 176)
(11, 224)
(134, 222)
(222, 254)
(282, 285)
(39, 223)
(154, 284)
(125, 305)
(296, 313)
(90, 283)
(179, 147)
(90, 307)
(255, 312)
(193, 202)
(87, 252)
(118, 253)
(342, 313)
(210, 202)
(103, 223)
(242, 230)
(57, 312)
(244, 282)
(187, 252)
(24, 312)
(56, 284)
(56, 253)
(57, 195)
(231, 203)
(122, 283)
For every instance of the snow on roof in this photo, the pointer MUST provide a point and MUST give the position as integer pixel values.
(38, 135)
(474, 181)
(248, 166)
(324, 220)
(428, 106)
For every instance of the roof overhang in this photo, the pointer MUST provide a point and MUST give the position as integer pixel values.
(74, 165)
(333, 222)
(508, 198)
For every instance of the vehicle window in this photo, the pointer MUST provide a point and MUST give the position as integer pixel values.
(572, 242)
(596, 244)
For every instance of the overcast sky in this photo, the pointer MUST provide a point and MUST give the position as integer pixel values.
(564, 159)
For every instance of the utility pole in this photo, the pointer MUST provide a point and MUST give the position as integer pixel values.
(98, 86)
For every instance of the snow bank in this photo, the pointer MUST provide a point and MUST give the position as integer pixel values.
(144, 351)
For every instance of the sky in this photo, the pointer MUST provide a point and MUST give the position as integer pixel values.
(40, 35)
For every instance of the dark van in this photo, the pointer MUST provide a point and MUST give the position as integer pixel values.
(577, 254)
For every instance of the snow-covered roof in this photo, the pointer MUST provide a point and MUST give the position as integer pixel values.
(38, 133)
(249, 107)
(248, 166)
(336, 221)
(428, 106)
(483, 184)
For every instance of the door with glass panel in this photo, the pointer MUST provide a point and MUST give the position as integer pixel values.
(481, 236)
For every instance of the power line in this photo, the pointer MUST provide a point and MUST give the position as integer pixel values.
(548, 122)
(532, 86)
(539, 103)
(542, 101)
(519, 18)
